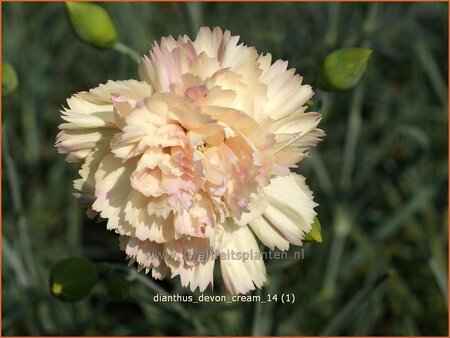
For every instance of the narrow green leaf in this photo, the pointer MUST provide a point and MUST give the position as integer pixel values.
(72, 279)
(315, 235)
(92, 24)
(356, 303)
(10, 81)
(342, 68)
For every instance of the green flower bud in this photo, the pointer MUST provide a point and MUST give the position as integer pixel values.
(343, 68)
(72, 279)
(92, 24)
(10, 81)
(315, 235)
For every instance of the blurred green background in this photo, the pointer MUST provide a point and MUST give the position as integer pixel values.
(380, 175)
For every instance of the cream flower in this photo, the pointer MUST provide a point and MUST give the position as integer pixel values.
(191, 162)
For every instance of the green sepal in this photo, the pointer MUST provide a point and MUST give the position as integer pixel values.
(315, 234)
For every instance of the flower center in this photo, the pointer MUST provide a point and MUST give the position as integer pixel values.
(197, 94)
(201, 147)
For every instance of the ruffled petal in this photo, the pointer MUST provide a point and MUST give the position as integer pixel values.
(289, 214)
(148, 255)
(241, 261)
(90, 118)
(211, 42)
(112, 187)
(85, 185)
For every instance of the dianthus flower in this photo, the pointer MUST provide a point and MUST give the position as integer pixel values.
(193, 160)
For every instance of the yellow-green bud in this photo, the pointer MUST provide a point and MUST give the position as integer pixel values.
(343, 68)
(10, 81)
(92, 24)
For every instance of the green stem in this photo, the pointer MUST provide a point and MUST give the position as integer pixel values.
(128, 51)
(341, 227)
(193, 15)
(332, 34)
(355, 119)
(257, 329)
(354, 126)
(149, 283)
(263, 319)
(326, 184)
